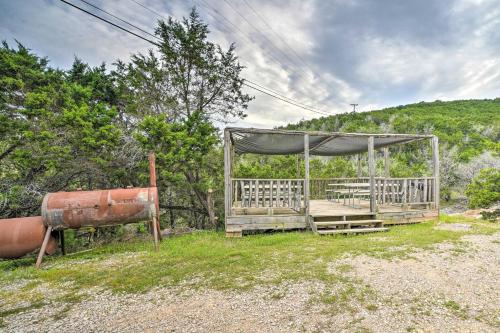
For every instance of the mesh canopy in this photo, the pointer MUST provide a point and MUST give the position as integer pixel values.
(281, 142)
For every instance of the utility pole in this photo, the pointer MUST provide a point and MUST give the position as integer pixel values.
(354, 107)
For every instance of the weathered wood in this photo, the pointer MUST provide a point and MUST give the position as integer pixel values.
(263, 222)
(44, 247)
(306, 180)
(234, 234)
(359, 170)
(424, 199)
(371, 172)
(405, 186)
(227, 174)
(211, 208)
(435, 173)
(257, 190)
(350, 231)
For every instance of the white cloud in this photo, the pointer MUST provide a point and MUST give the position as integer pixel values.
(353, 53)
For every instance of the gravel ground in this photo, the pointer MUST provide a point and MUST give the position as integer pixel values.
(450, 288)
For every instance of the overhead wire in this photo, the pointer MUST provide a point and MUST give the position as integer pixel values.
(119, 19)
(109, 22)
(207, 5)
(246, 82)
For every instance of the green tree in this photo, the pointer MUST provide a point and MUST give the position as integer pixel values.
(484, 190)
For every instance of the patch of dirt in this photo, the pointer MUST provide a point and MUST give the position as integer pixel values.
(454, 226)
(436, 290)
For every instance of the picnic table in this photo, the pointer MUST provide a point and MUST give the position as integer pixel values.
(349, 191)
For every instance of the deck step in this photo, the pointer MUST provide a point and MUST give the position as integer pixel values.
(352, 222)
(343, 218)
(350, 231)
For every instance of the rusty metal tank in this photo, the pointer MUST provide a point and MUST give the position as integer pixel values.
(20, 236)
(78, 209)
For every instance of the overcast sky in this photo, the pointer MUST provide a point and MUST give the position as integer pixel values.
(323, 53)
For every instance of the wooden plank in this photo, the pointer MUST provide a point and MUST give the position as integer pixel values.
(405, 186)
(359, 170)
(234, 234)
(351, 231)
(266, 222)
(306, 180)
(271, 185)
(435, 173)
(371, 172)
(289, 193)
(227, 174)
(425, 197)
(257, 190)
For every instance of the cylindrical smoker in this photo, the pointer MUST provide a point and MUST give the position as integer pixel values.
(20, 236)
(73, 210)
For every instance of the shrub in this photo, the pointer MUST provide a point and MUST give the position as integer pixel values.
(484, 190)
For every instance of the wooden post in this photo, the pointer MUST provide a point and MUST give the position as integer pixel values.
(227, 175)
(306, 178)
(63, 245)
(371, 173)
(44, 246)
(387, 165)
(211, 210)
(359, 171)
(435, 173)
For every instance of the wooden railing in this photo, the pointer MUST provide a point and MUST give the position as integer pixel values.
(387, 190)
(269, 193)
(265, 193)
(404, 190)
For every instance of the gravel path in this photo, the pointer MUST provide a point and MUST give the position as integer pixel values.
(450, 288)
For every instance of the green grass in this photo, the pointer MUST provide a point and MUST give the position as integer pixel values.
(208, 259)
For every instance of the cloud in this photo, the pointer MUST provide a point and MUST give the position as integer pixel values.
(327, 54)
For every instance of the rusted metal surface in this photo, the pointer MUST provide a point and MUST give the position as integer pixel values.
(73, 210)
(20, 236)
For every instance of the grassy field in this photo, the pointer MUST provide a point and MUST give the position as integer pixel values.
(208, 259)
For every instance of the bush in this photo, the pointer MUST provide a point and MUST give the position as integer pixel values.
(484, 190)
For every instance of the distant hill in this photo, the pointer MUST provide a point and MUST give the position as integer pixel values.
(472, 126)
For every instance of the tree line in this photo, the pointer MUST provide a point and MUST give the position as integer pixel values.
(92, 127)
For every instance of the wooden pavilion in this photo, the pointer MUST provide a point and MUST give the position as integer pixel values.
(326, 206)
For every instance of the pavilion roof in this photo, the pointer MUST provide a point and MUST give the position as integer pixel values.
(285, 142)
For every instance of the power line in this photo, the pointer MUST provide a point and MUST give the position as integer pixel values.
(147, 8)
(278, 93)
(109, 22)
(119, 19)
(286, 101)
(249, 84)
(261, 17)
(208, 6)
(241, 32)
(263, 35)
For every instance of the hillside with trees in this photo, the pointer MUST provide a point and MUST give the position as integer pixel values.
(468, 131)
(92, 127)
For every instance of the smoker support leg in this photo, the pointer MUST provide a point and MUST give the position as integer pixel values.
(61, 238)
(44, 246)
(155, 232)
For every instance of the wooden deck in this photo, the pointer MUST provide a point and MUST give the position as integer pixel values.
(331, 215)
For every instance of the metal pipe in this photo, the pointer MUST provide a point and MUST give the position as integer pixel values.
(20, 236)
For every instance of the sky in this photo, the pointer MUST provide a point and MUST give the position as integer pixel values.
(325, 54)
